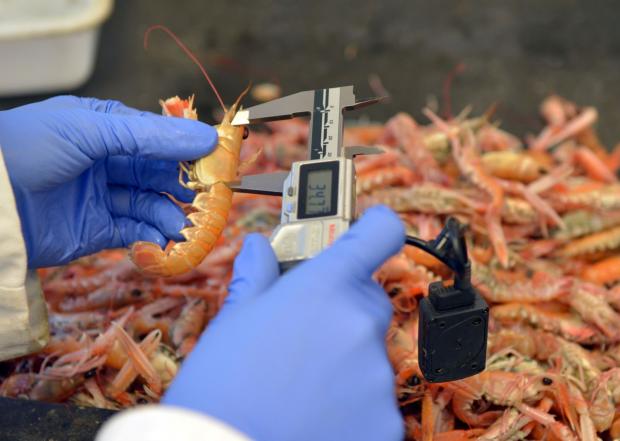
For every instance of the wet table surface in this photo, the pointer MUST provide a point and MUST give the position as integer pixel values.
(22, 420)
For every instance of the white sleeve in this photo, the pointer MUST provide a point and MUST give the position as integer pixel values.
(166, 423)
(23, 313)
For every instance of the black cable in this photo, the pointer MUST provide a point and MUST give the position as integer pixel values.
(450, 248)
(425, 246)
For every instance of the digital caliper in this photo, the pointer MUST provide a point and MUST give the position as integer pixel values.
(319, 204)
(318, 195)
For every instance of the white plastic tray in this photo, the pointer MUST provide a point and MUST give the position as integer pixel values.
(48, 45)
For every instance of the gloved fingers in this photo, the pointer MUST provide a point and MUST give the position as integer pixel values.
(375, 237)
(112, 107)
(61, 102)
(99, 135)
(103, 106)
(128, 231)
(255, 269)
(378, 305)
(152, 208)
(148, 174)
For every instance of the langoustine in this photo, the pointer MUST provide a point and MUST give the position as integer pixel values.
(209, 176)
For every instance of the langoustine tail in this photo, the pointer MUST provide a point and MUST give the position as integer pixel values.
(208, 222)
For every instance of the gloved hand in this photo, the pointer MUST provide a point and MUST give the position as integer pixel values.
(86, 174)
(302, 356)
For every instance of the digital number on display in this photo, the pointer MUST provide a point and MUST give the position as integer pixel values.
(319, 192)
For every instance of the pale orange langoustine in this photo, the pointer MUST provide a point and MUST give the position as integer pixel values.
(599, 242)
(517, 390)
(594, 166)
(209, 176)
(508, 164)
(603, 271)
(471, 167)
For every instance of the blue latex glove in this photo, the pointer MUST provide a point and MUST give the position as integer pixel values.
(87, 174)
(302, 357)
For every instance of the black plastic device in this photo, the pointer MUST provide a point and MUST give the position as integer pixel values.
(454, 320)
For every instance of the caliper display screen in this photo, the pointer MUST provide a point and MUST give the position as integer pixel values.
(318, 195)
(319, 192)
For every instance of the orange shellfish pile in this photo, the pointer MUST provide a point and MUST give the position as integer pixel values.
(543, 217)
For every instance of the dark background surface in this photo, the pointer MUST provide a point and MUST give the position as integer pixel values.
(515, 52)
(22, 420)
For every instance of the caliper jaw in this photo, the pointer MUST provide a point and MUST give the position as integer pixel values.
(272, 184)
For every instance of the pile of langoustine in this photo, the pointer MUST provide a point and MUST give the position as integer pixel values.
(544, 232)
(543, 217)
